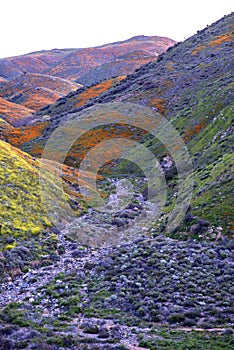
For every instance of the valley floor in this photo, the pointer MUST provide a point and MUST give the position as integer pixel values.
(151, 294)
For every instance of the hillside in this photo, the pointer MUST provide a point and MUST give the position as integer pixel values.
(25, 220)
(72, 64)
(14, 113)
(36, 98)
(39, 79)
(17, 136)
(35, 91)
(191, 84)
(30, 80)
(77, 99)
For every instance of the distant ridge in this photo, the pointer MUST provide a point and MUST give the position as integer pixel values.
(72, 64)
(39, 79)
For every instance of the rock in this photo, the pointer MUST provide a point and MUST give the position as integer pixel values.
(128, 214)
(107, 262)
(55, 230)
(188, 217)
(103, 333)
(118, 222)
(115, 332)
(194, 229)
(90, 328)
(145, 193)
(189, 323)
(46, 313)
(203, 223)
(166, 162)
(73, 246)
(54, 257)
(134, 206)
(228, 331)
(77, 253)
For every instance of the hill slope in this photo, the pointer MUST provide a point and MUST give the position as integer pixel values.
(14, 113)
(36, 98)
(34, 80)
(17, 136)
(35, 91)
(39, 79)
(72, 64)
(191, 84)
(25, 222)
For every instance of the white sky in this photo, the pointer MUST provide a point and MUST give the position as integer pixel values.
(31, 25)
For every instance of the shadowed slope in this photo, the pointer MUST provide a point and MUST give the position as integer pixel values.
(14, 113)
(36, 98)
(27, 81)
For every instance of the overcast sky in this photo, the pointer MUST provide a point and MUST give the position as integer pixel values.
(28, 25)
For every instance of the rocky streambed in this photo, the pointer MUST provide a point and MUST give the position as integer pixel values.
(145, 290)
(115, 297)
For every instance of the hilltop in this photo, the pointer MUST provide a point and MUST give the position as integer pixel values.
(74, 64)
